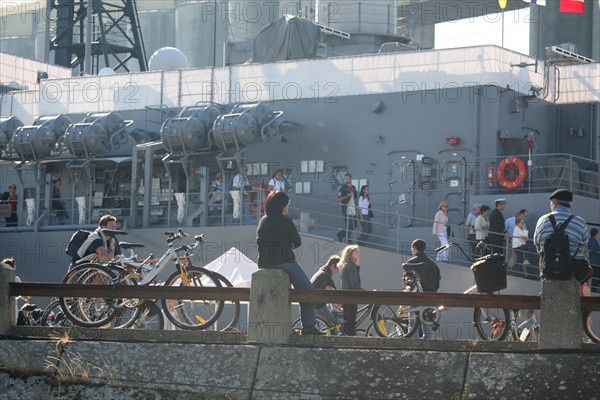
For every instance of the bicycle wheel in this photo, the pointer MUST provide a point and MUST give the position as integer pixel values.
(395, 321)
(231, 309)
(369, 332)
(591, 325)
(53, 316)
(150, 316)
(321, 325)
(126, 315)
(86, 311)
(193, 314)
(530, 334)
(491, 323)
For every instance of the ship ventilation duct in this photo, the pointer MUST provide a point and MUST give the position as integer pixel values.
(40, 139)
(189, 131)
(97, 135)
(246, 124)
(8, 127)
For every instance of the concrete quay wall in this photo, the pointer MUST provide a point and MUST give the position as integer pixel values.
(307, 368)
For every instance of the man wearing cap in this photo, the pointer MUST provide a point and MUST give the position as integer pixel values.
(496, 235)
(560, 204)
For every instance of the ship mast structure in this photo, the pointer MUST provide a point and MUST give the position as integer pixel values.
(94, 34)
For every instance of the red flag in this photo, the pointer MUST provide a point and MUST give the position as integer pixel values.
(571, 6)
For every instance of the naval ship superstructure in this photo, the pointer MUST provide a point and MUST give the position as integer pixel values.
(418, 126)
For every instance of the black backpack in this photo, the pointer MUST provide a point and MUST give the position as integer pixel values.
(555, 260)
(75, 243)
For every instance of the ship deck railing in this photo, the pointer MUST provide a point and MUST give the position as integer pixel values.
(400, 215)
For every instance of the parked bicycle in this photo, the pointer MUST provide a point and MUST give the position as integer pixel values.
(54, 316)
(403, 321)
(183, 313)
(331, 328)
(151, 317)
(231, 309)
(519, 325)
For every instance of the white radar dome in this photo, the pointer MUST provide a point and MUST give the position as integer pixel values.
(106, 71)
(167, 59)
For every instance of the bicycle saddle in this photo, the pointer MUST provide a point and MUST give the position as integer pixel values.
(127, 245)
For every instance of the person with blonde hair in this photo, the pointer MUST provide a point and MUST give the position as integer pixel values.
(350, 265)
(440, 229)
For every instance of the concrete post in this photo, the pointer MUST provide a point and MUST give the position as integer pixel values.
(270, 309)
(561, 323)
(7, 304)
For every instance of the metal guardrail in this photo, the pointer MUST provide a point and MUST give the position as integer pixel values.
(297, 295)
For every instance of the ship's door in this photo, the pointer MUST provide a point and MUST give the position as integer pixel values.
(402, 188)
(418, 183)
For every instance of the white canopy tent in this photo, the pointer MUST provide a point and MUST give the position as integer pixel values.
(235, 266)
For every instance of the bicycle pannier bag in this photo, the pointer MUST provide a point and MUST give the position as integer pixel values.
(490, 273)
(75, 243)
(555, 260)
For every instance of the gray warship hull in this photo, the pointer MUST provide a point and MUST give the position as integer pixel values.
(418, 127)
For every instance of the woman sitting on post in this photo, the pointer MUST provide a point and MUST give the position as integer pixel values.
(276, 237)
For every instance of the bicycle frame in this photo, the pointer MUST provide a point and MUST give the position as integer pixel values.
(161, 264)
(185, 314)
(336, 328)
(155, 269)
(361, 315)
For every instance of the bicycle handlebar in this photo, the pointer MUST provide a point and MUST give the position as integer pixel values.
(173, 236)
(198, 240)
(449, 244)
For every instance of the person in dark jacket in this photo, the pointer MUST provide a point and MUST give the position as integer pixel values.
(496, 234)
(429, 274)
(276, 237)
(58, 205)
(348, 199)
(350, 263)
(100, 245)
(323, 279)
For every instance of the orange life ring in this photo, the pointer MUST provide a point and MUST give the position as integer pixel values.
(511, 181)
